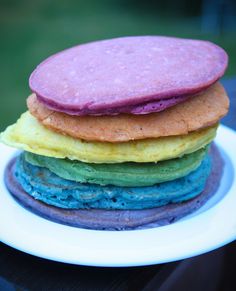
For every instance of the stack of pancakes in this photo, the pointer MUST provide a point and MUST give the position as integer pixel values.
(118, 133)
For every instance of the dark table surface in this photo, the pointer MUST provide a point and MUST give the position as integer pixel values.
(214, 271)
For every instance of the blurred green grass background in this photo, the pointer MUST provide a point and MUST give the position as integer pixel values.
(30, 31)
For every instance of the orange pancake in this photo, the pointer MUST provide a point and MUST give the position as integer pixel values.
(202, 110)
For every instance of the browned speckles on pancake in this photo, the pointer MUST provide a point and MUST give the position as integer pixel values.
(118, 219)
(197, 112)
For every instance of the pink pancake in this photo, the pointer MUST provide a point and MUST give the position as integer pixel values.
(127, 74)
(144, 108)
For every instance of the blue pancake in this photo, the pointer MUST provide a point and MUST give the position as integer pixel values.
(100, 219)
(44, 185)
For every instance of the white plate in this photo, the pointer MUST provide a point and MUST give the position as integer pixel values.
(212, 226)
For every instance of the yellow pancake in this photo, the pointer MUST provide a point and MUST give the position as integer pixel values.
(28, 134)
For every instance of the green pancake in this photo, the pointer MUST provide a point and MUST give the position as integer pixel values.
(49, 188)
(121, 174)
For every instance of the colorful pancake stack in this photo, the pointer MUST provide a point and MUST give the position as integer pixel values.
(118, 133)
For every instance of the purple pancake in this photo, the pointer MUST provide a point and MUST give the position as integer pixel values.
(118, 219)
(131, 74)
(145, 108)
